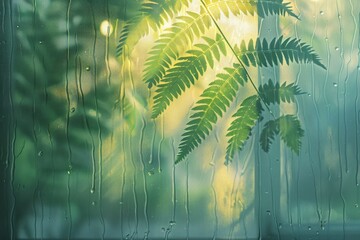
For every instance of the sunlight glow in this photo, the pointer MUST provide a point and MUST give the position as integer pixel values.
(106, 28)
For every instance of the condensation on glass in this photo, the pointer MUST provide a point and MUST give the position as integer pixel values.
(82, 158)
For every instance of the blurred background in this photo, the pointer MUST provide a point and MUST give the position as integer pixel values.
(82, 158)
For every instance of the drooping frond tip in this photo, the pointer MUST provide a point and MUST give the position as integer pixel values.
(186, 71)
(214, 101)
(278, 51)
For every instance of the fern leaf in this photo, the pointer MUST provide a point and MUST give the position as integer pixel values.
(272, 94)
(271, 7)
(291, 132)
(265, 54)
(212, 104)
(180, 34)
(186, 71)
(262, 7)
(152, 15)
(289, 128)
(240, 128)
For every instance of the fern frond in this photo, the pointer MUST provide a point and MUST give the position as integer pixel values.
(265, 54)
(262, 7)
(212, 104)
(180, 34)
(152, 15)
(240, 128)
(186, 71)
(272, 94)
(289, 128)
(272, 7)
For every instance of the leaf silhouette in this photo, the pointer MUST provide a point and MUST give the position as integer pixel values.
(245, 119)
(186, 71)
(212, 104)
(265, 54)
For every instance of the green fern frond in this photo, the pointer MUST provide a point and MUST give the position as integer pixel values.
(186, 71)
(261, 7)
(271, 7)
(275, 53)
(272, 94)
(289, 128)
(180, 34)
(212, 104)
(152, 15)
(240, 128)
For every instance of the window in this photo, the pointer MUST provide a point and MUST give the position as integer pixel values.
(88, 150)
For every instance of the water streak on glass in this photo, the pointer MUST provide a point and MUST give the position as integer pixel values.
(162, 125)
(341, 170)
(68, 117)
(143, 170)
(357, 155)
(213, 166)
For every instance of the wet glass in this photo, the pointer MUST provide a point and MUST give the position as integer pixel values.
(83, 157)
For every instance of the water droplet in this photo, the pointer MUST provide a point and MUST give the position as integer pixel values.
(172, 223)
(40, 153)
(317, 233)
(335, 84)
(121, 203)
(40, 42)
(358, 67)
(309, 228)
(356, 205)
(87, 68)
(280, 226)
(326, 39)
(92, 190)
(339, 16)
(266, 192)
(337, 48)
(212, 164)
(268, 212)
(163, 229)
(321, 12)
(72, 110)
(68, 172)
(159, 170)
(151, 172)
(93, 203)
(309, 95)
(322, 227)
(17, 26)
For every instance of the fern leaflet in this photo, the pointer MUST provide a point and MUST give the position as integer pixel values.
(186, 71)
(240, 128)
(289, 128)
(181, 33)
(152, 15)
(261, 7)
(272, 94)
(265, 54)
(212, 104)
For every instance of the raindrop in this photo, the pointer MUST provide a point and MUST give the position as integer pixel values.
(72, 110)
(335, 84)
(68, 172)
(172, 223)
(87, 68)
(323, 227)
(356, 205)
(358, 67)
(321, 12)
(212, 164)
(40, 153)
(151, 172)
(40, 42)
(326, 39)
(337, 48)
(268, 212)
(280, 226)
(121, 203)
(309, 228)
(17, 26)
(92, 190)
(93, 203)
(309, 95)
(163, 229)
(317, 233)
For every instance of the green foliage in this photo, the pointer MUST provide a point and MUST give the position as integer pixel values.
(212, 104)
(264, 54)
(245, 119)
(152, 15)
(290, 131)
(177, 61)
(180, 34)
(262, 7)
(186, 71)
